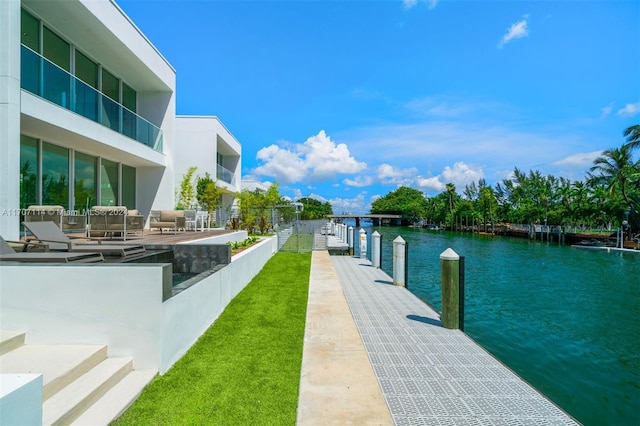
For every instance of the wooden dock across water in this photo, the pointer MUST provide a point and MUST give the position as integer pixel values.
(430, 375)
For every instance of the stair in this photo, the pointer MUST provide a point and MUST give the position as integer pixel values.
(319, 242)
(78, 380)
(9, 340)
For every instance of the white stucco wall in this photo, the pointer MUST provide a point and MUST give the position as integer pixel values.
(9, 116)
(121, 305)
(21, 399)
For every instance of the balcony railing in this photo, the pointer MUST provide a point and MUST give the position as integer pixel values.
(47, 80)
(225, 175)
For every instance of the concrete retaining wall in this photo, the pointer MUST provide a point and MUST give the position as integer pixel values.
(126, 306)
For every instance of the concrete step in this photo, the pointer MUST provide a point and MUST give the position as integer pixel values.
(59, 364)
(71, 401)
(116, 400)
(10, 340)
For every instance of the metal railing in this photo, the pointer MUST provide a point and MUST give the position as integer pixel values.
(45, 79)
(225, 175)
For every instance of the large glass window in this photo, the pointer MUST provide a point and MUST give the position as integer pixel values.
(56, 49)
(108, 183)
(28, 171)
(30, 31)
(128, 187)
(55, 175)
(57, 80)
(110, 85)
(85, 181)
(129, 119)
(86, 85)
(128, 97)
(110, 106)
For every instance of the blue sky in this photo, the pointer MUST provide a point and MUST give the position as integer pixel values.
(344, 101)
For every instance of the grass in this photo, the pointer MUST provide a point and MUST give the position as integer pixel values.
(245, 369)
(305, 240)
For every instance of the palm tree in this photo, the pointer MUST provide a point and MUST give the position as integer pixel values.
(615, 168)
(451, 190)
(632, 134)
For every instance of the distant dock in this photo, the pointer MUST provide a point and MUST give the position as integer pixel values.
(377, 219)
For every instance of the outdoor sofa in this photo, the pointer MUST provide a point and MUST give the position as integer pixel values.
(110, 220)
(167, 219)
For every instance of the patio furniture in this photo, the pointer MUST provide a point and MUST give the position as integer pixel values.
(135, 222)
(66, 220)
(202, 217)
(37, 213)
(190, 220)
(8, 254)
(167, 219)
(74, 221)
(48, 232)
(104, 220)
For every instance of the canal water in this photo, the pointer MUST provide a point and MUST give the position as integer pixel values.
(567, 320)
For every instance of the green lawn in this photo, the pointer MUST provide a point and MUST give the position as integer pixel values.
(245, 369)
(302, 243)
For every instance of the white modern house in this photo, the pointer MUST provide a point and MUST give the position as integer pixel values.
(205, 143)
(88, 117)
(88, 114)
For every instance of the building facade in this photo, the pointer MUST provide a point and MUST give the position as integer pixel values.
(197, 136)
(87, 112)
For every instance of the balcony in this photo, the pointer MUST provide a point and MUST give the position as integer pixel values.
(48, 81)
(225, 175)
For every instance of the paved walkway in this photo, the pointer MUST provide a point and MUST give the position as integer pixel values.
(428, 375)
(337, 384)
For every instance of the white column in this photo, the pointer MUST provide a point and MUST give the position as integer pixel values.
(375, 249)
(399, 262)
(363, 244)
(9, 118)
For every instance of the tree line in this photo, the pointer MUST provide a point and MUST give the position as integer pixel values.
(608, 195)
(255, 211)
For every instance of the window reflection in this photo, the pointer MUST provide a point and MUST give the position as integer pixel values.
(55, 175)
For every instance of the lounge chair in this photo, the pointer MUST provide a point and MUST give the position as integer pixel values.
(8, 254)
(48, 232)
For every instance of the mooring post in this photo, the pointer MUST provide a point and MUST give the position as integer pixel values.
(375, 249)
(363, 244)
(452, 287)
(350, 240)
(399, 262)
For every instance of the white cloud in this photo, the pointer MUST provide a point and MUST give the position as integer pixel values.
(517, 30)
(317, 159)
(357, 204)
(285, 166)
(605, 111)
(325, 159)
(390, 175)
(359, 181)
(432, 183)
(582, 160)
(461, 174)
(629, 110)
(408, 4)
